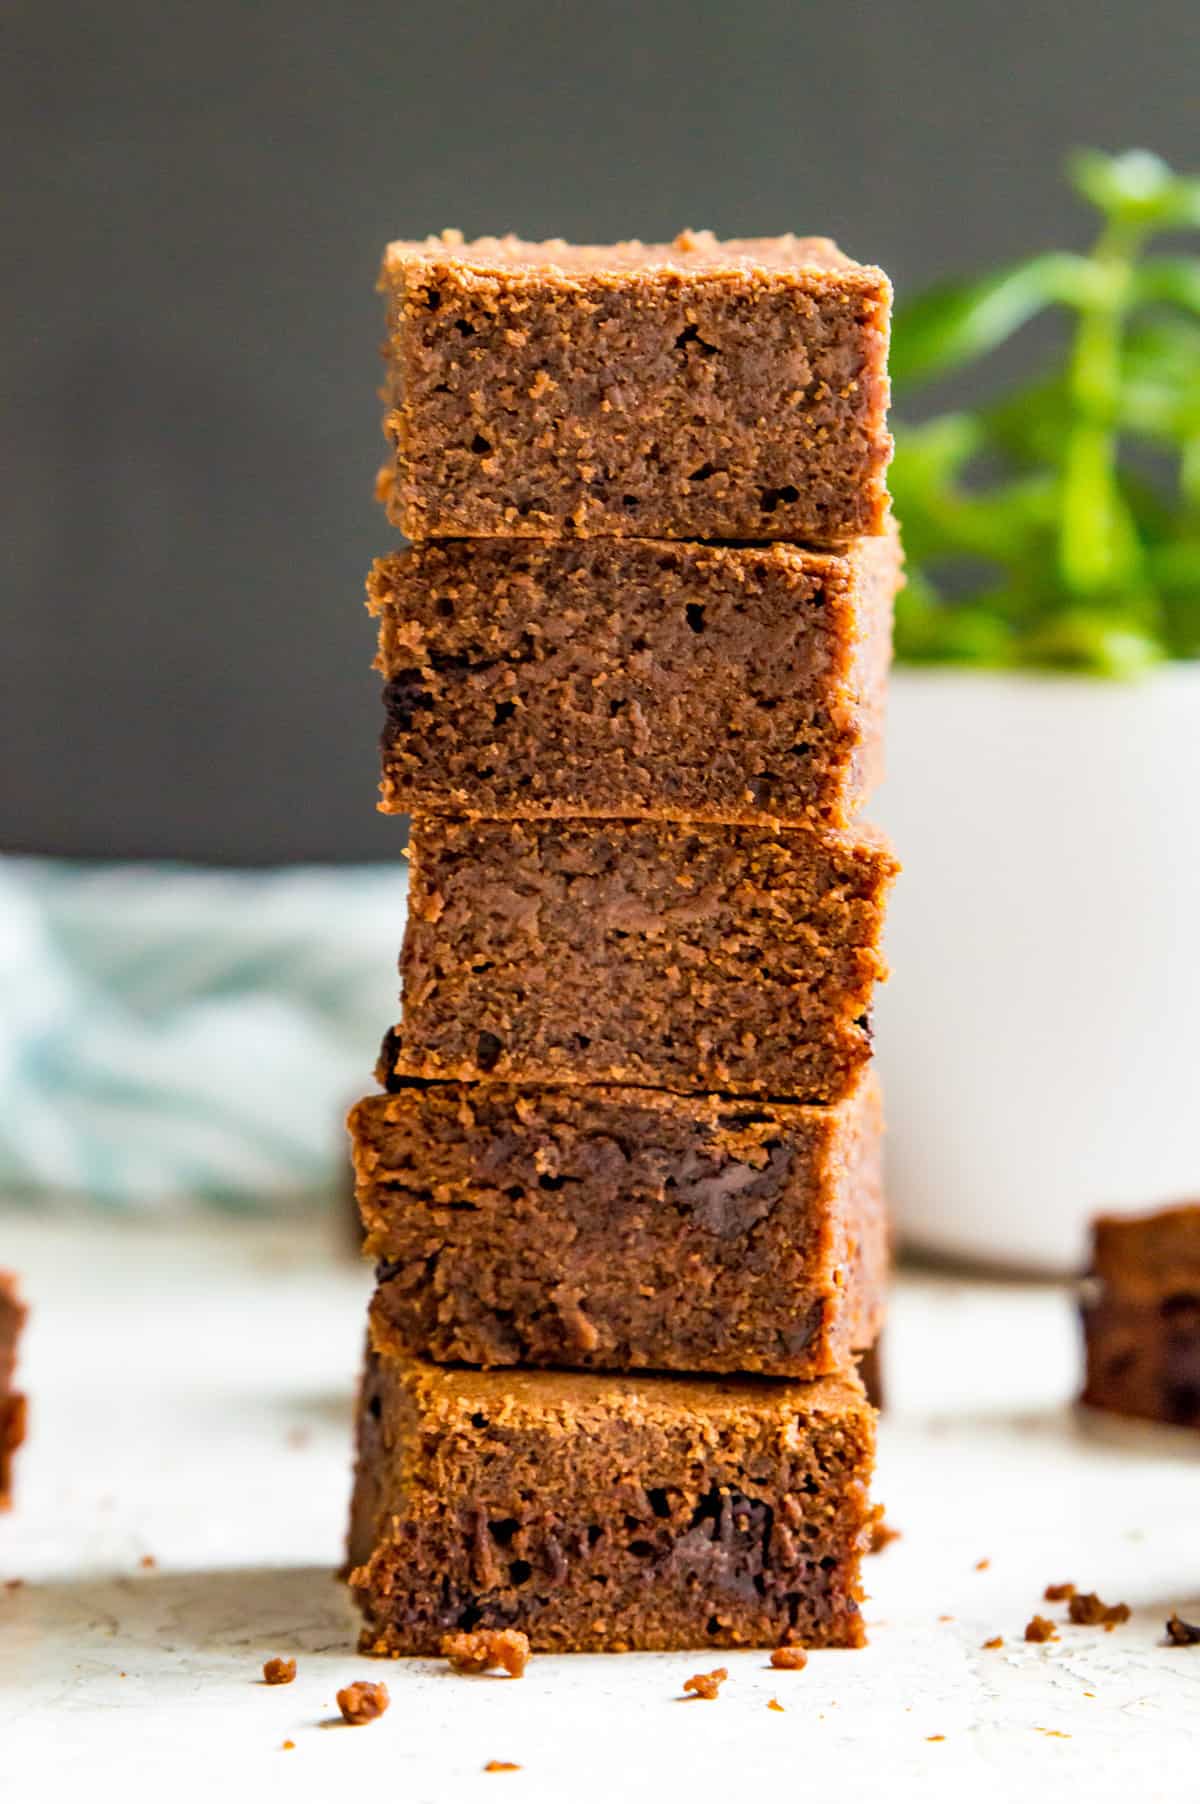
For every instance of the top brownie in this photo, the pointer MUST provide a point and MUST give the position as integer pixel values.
(697, 390)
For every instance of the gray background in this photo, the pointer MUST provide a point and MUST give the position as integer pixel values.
(196, 196)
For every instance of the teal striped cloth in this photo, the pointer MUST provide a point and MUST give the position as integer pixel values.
(171, 1036)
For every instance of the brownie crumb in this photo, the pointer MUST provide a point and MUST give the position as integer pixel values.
(484, 1649)
(502, 1766)
(1086, 1608)
(706, 1684)
(279, 1672)
(882, 1534)
(995, 1641)
(789, 1659)
(362, 1702)
(1040, 1628)
(774, 1704)
(1181, 1633)
(1058, 1594)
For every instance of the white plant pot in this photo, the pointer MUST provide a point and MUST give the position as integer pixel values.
(1039, 1038)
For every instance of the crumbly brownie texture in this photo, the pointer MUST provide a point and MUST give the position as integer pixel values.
(706, 1684)
(485, 1650)
(1141, 1316)
(596, 1512)
(362, 1702)
(685, 957)
(623, 1229)
(633, 677)
(12, 1404)
(696, 390)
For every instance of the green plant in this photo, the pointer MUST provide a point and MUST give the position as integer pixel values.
(1068, 509)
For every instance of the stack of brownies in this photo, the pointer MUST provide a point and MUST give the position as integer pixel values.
(629, 1143)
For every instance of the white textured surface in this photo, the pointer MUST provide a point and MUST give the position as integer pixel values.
(191, 1398)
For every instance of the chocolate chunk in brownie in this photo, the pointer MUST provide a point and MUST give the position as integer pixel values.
(599, 1512)
(695, 390)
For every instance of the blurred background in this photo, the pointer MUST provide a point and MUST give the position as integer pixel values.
(197, 201)
(196, 204)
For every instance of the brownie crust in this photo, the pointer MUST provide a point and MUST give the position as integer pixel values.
(605, 1513)
(683, 957)
(696, 390)
(1141, 1316)
(630, 678)
(623, 1229)
(12, 1403)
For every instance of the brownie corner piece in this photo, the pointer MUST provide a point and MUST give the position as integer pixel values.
(690, 390)
(1140, 1312)
(12, 1403)
(601, 1513)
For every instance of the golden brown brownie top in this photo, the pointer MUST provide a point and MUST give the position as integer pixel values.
(691, 253)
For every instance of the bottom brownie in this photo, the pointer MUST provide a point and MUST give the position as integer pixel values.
(12, 1404)
(603, 1513)
(1141, 1316)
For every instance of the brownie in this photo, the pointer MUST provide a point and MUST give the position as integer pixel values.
(600, 1512)
(633, 677)
(1141, 1316)
(870, 1370)
(694, 390)
(12, 1404)
(627, 1229)
(681, 956)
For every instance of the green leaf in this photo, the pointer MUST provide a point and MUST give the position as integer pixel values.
(934, 452)
(1063, 536)
(1175, 569)
(1171, 280)
(954, 322)
(1092, 643)
(1136, 188)
(931, 632)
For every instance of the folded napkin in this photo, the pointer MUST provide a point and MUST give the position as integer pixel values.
(171, 1035)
